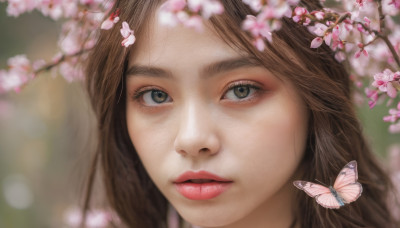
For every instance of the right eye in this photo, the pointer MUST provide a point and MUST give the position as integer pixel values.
(152, 97)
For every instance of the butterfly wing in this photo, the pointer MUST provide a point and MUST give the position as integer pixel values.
(322, 194)
(346, 183)
(350, 192)
(311, 189)
(328, 200)
(348, 175)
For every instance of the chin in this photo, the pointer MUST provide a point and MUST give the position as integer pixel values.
(210, 219)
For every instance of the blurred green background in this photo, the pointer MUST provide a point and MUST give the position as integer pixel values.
(45, 132)
(44, 137)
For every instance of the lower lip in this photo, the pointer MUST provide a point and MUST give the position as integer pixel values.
(202, 191)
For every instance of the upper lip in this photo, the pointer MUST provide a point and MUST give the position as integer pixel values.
(200, 175)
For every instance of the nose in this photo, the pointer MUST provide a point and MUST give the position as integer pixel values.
(197, 135)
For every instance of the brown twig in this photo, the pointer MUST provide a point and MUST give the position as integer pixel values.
(63, 58)
(383, 34)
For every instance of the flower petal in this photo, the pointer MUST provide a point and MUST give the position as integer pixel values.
(315, 43)
(129, 41)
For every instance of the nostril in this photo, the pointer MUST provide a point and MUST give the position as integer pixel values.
(204, 149)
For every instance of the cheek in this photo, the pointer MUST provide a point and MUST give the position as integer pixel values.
(151, 138)
(272, 140)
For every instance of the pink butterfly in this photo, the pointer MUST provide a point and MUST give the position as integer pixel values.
(346, 189)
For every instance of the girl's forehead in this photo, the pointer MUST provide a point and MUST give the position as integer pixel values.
(161, 44)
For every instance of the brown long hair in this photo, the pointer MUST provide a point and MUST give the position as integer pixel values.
(335, 136)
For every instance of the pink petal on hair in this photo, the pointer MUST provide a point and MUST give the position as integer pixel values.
(128, 41)
(107, 24)
(259, 43)
(125, 31)
(315, 43)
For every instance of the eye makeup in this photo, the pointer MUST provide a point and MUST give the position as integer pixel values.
(242, 91)
(237, 92)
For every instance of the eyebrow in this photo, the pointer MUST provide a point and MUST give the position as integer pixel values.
(209, 70)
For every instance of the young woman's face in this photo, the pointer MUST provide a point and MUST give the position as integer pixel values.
(220, 136)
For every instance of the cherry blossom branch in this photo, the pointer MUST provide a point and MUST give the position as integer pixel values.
(383, 33)
(391, 48)
(56, 63)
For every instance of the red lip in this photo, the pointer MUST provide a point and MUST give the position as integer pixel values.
(201, 185)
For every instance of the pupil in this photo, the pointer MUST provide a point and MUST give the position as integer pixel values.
(241, 91)
(158, 96)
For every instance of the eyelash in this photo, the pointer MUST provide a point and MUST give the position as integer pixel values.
(139, 93)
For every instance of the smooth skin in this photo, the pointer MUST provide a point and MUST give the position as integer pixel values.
(194, 103)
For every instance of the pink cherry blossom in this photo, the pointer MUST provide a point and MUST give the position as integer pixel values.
(255, 26)
(300, 16)
(168, 18)
(71, 41)
(211, 7)
(336, 33)
(258, 28)
(127, 34)
(51, 9)
(361, 51)
(17, 7)
(394, 115)
(384, 80)
(174, 12)
(360, 3)
(318, 14)
(395, 3)
(19, 73)
(318, 29)
(19, 62)
(13, 80)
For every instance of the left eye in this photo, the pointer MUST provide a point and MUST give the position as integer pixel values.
(154, 97)
(240, 92)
